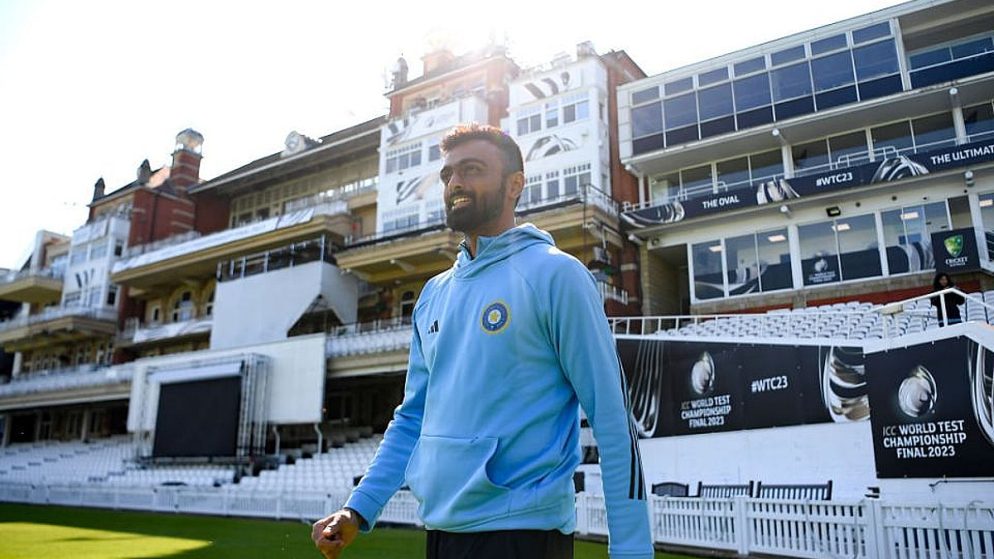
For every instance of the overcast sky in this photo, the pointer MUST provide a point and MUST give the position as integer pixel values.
(90, 89)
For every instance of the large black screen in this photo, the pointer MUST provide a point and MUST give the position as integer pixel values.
(198, 418)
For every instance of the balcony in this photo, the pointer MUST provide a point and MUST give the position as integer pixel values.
(84, 383)
(421, 249)
(32, 286)
(570, 216)
(294, 254)
(197, 256)
(55, 326)
(883, 165)
(369, 347)
(136, 334)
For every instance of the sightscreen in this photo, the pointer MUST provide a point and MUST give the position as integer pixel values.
(198, 418)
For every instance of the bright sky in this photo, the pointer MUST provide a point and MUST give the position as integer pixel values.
(90, 89)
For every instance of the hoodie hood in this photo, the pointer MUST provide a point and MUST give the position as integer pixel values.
(490, 250)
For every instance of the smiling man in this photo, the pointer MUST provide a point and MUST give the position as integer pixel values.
(507, 345)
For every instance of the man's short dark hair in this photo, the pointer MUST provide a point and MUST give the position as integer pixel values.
(509, 150)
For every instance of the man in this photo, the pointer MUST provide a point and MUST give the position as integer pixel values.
(506, 344)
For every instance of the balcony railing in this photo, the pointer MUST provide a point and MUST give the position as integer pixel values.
(343, 192)
(612, 293)
(433, 224)
(370, 337)
(135, 332)
(587, 194)
(83, 376)
(187, 243)
(17, 275)
(56, 313)
(749, 186)
(295, 254)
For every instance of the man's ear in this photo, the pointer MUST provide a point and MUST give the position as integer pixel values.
(515, 185)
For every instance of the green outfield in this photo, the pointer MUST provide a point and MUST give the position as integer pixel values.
(34, 532)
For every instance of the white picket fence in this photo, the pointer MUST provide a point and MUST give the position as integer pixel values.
(872, 528)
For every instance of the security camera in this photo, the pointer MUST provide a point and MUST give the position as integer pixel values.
(785, 210)
(968, 178)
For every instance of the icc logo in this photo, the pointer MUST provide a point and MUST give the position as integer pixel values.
(495, 318)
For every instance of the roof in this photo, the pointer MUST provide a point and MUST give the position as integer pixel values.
(458, 63)
(309, 154)
(159, 181)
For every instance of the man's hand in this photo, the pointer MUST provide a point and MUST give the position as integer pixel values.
(334, 533)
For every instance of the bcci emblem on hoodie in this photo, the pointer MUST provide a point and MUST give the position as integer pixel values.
(495, 318)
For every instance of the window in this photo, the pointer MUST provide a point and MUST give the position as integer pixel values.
(647, 119)
(71, 299)
(787, 55)
(575, 178)
(552, 185)
(708, 282)
(78, 255)
(183, 307)
(155, 316)
(773, 251)
(714, 76)
(979, 120)
(530, 121)
(118, 248)
(742, 264)
(112, 296)
(99, 250)
(756, 262)
(819, 253)
(576, 110)
(828, 44)
(551, 115)
(810, 158)
(680, 111)
(858, 248)
(933, 132)
(908, 236)
(750, 66)
(404, 158)
(848, 149)
(733, 173)
(878, 59)
(645, 95)
(966, 57)
(696, 181)
(715, 101)
(891, 139)
(407, 301)
(790, 82)
(532, 193)
(752, 92)
(434, 152)
(832, 71)
(678, 86)
(872, 32)
(209, 305)
(766, 165)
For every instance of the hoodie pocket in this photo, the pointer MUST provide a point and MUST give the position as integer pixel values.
(448, 476)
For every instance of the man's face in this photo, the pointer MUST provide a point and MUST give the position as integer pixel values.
(475, 189)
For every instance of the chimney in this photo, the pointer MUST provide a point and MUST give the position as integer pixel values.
(437, 59)
(98, 189)
(144, 172)
(185, 171)
(399, 74)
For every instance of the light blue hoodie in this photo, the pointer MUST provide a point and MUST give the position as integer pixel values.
(505, 346)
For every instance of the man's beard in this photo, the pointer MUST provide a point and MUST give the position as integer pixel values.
(480, 210)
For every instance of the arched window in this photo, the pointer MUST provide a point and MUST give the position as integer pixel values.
(183, 307)
(407, 301)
